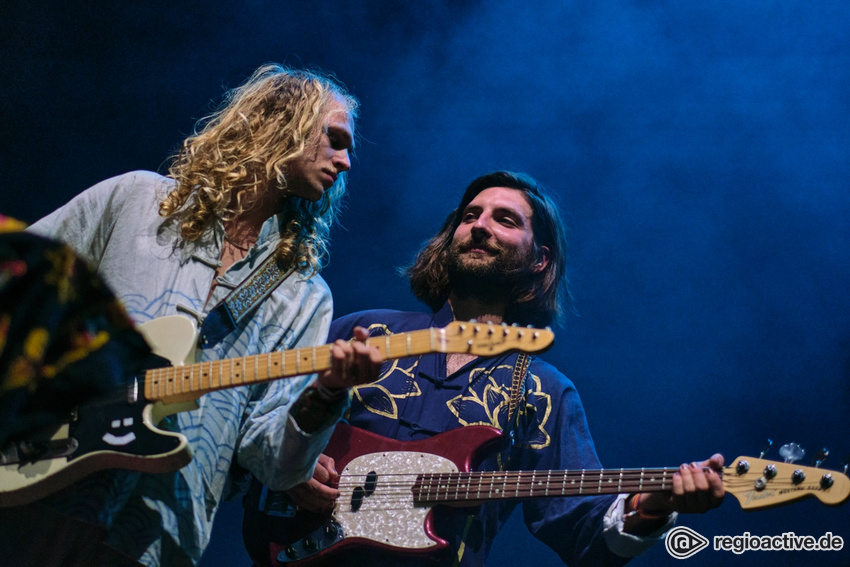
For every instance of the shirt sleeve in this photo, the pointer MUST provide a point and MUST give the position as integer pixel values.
(583, 531)
(625, 544)
(272, 446)
(86, 222)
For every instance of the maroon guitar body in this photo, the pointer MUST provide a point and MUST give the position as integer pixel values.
(374, 471)
(388, 491)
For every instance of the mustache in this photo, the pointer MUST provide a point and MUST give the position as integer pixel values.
(483, 245)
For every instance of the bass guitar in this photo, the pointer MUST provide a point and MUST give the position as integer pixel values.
(389, 489)
(120, 431)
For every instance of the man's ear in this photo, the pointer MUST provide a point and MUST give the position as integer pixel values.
(542, 260)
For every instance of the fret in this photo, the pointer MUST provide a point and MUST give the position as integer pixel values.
(386, 345)
(408, 344)
(548, 478)
(298, 361)
(640, 484)
(581, 482)
(431, 345)
(314, 359)
(158, 381)
(268, 358)
(620, 481)
(531, 489)
(256, 367)
(601, 478)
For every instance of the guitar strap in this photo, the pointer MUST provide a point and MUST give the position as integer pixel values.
(517, 393)
(242, 301)
(517, 390)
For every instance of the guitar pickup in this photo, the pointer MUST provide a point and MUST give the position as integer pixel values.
(28, 452)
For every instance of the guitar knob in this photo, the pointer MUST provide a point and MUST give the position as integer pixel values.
(310, 544)
(290, 552)
(331, 531)
(798, 476)
(743, 467)
(770, 471)
(826, 481)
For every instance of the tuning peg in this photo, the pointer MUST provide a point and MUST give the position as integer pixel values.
(820, 457)
(766, 448)
(791, 452)
(846, 462)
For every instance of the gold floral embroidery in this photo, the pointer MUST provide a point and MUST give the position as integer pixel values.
(376, 397)
(494, 402)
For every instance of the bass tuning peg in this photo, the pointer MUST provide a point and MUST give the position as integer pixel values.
(820, 457)
(792, 452)
(766, 448)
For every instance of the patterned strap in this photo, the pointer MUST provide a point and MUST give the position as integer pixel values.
(240, 302)
(517, 388)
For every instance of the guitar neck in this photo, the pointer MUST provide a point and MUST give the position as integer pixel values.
(188, 382)
(466, 488)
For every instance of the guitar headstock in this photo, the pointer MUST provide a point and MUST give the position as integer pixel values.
(758, 483)
(487, 339)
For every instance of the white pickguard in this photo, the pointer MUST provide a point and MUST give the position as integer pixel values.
(172, 337)
(388, 516)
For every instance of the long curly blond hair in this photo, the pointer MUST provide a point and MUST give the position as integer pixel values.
(241, 151)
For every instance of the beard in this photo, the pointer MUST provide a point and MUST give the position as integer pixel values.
(502, 275)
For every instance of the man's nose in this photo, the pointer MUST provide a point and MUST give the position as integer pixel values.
(342, 161)
(479, 229)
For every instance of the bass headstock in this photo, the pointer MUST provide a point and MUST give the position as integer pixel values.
(487, 339)
(759, 483)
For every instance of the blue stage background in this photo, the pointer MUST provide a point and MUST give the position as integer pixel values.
(699, 150)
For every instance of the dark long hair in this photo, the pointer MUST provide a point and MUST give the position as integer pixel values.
(545, 298)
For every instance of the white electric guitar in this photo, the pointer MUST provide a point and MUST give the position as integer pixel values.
(120, 431)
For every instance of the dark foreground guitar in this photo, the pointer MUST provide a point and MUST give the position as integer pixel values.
(389, 489)
(121, 431)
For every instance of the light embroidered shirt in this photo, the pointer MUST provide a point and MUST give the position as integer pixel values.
(166, 518)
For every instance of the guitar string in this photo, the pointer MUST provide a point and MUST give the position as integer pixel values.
(171, 377)
(505, 485)
(413, 342)
(405, 496)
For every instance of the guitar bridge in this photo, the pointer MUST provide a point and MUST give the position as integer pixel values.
(28, 452)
